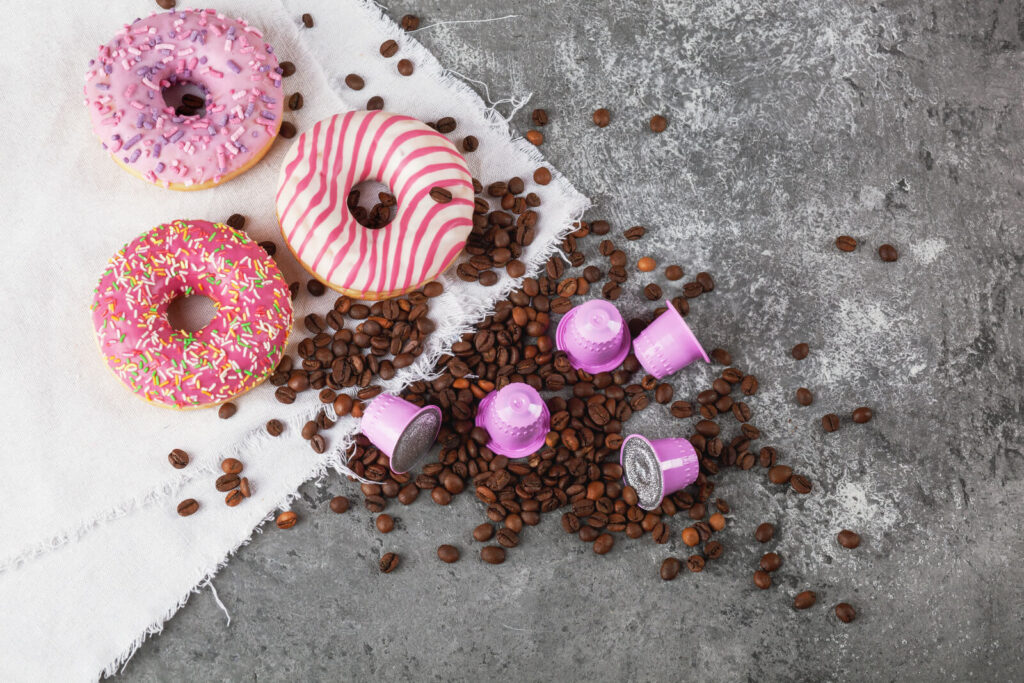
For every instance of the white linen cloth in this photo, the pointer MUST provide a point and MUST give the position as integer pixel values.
(93, 557)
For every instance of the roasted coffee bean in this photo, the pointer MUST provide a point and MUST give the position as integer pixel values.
(600, 228)
(295, 102)
(275, 427)
(447, 553)
(663, 393)
(231, 465)
(721, 356)
(762, 579)
(845, 612)
(405, 67)
(767, 456)
(236, 221)
(287, 69)
(602, 117)
(408, 494)
(483, 532)
(243, 486)
(770, 562)
(507, 538)
(682, 409)
(741, 411)
(166, 4)
(441, 195)
(470, 143)
(804, 396)
(339, 504)
(375, 503)
(713, 550)
(658, 123)
(862, 415)
(440, 495)
(749, 385)
(315, 287)
(535, 137)
(669, 568)
(187, 507)
(846, 243)
(307, 20)
(492, 554)
(848, 539)
(446, 125)
(804, 599)
(226, 410)
(764, 532)
(780, 474)
(287, 132)
(355, 81)
(888, 253)
(692, 290)
(269, 247)
(318, 443)
(233, 498)
(695, 563)
(707, 428)
(410, 22)
(635, 233)
(375, 103)
(309, 430)
(178, 458)
(800, 351)
(603, 544)
(660, 533)
(539, 117)
(226, 482)
(652, 292)
(385, 523)
(388, 563)
(830, 422)
(800, 483)
(388, 49)
(287, 519)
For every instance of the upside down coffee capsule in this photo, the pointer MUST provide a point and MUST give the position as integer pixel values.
(403, 431)
(657, 468)
(667, 344)
(593, 336)
(516, 419)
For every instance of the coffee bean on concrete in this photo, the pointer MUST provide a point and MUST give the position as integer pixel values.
(764, 532)
(492, 554)
(862, 415)
(287, 519)
(888, 253)
(804, 599)
(845, 612)
(448, 553)
(762, 579)
(848, 539)
(846, 243)
(804, 396)
(388, 563)
(830, 422)
(800, 351)
(339, 504)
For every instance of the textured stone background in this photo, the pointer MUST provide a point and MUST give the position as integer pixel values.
(790, 123)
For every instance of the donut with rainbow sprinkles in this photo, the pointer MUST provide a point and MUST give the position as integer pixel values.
(233, 353)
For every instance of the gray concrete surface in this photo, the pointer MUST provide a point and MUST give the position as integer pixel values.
(790, 123)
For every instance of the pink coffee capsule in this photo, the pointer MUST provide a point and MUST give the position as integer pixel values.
(657, 468)
(593, 336)
(667, 345)
(403, 431)
(516, 418)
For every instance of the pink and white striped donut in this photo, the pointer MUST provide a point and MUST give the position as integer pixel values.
(424, 236)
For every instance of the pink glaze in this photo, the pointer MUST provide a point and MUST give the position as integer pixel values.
(423, 237)
(238, 348)
(227, 57)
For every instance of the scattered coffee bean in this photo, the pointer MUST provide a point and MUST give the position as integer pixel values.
(888, 253)
(385, 523)
(602, 117)
(446, 124)
(409, 22)
(288, 130)
(652, 292)
(441, 195)
(635, 233)
(764, 532)
(233, 498)
(275, 427)
(236, 221)
(318, 443)
(470, 143)
(535, 137)
(721, 356)
(800, 351)
(646, 264)
(762, 579)
(804, 396)
(339, 504)
(804, 599)
(846, 243)
(389, 48)
(848, 539)
(178, 458)
(375, 103)
(542, 176)
(600, 228)
(780, 474)
(690, 536)
(492, 554)
(447, 553)
(307, 20)
(716, 521)
(770, 562)
(749, 385)
(830, 422)
(388, 563)
(800, 483)
(166, 4)
(244, 487)
(287, 68)
(674, 273)
(670, 567)
(845, 612)
(315, 287)
(483, 532)
(695, 563)
(187, 507)
(226, 482)
(295, 101)
(231, 465)
(862, 415)
(539, 117)
(658, 123)
(355, 81)
(269, 247)
(405, 67)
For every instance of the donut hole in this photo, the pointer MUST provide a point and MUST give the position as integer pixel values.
(185, 98)
(191, 313)
(368, 207)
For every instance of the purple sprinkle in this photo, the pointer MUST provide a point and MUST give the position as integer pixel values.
(91, 62)
(242, 148)
(268, 99)
(265, 68)
(135, 156)
(248, 109)
(267, 115)
(203, 59)
(186, 74)
(104, 145)
(177, 136)
(160, 167)
(222, 120)
(148, 125)
(131, 141)
(270, 48)
(115, 136)
(157, 148)
(103, 86)
(211, 130)
(234, 67)
(138, 121)
(231, 33)
(194, 36)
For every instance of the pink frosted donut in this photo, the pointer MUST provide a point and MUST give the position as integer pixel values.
(423, 237)
(226, 57)
(232, 354)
